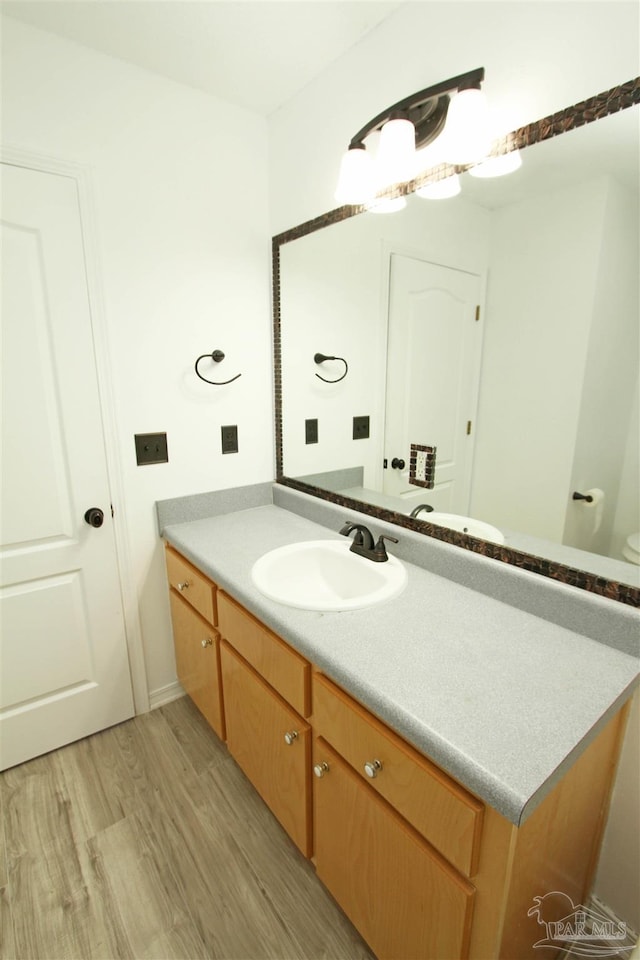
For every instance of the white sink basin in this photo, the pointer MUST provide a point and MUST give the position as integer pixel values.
(475, 528)
(325, 575)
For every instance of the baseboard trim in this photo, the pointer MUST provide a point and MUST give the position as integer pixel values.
(172, 691)
(624, 949)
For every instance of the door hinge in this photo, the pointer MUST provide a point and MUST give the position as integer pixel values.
(468, 427)
(477, 313)
(113, 513)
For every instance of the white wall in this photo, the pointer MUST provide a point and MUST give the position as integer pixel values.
(539, 58)
(540, 296)
(561, 329)
(612, 358)
(180, 196)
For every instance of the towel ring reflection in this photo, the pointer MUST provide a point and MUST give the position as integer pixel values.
(320, 358)
(216, 356)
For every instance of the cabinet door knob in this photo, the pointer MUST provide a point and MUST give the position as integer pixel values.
(207, 642)
(290, 737)
(320, 769)
(372, 767)
(183, 586)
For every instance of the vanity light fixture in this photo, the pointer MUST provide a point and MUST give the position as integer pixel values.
(440, 189)
(497, 166)
(454, 111)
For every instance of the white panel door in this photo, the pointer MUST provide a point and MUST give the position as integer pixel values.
(433, 366)
(64, 670)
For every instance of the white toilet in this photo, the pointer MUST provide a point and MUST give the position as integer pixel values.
(631, 549)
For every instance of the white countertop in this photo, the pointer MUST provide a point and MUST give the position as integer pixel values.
(501, 699)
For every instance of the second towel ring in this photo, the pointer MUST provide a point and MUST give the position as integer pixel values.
(320, 358)
(216, 356)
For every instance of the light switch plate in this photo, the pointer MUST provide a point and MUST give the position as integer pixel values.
(229, 439)
(311, 431)
(151, 448)
(361, 428)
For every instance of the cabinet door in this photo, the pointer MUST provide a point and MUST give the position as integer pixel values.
(271, 743)
(403, 897)
(197, 647)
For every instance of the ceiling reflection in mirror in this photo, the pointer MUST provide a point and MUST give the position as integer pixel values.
(498, 328)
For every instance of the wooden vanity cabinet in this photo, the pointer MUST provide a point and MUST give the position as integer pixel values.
(446, 815)
(266, 689)
(196, 641)
(422, 867)
(395, 839)
(403, 897)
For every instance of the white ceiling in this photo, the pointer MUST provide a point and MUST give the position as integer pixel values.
(253, 53)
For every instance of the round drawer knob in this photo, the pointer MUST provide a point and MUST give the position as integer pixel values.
(372, 767)
(320, 769)
(207, 642)
(290, 737)
(183, 586)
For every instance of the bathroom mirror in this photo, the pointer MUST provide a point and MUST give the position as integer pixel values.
(548, 255)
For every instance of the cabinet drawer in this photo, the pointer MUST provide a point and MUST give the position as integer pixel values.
(405, 899)
(197, 647)
(192, 585)
(441, 810)
(271, 743)
(282, 667)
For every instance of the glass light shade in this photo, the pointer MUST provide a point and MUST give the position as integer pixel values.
(396, 158)
(355, 181)
(430, 156)
(498, 166)
(440, 189)
(466, 137)
(387, 205)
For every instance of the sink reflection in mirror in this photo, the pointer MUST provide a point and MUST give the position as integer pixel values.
(325, 575)
(475, 528)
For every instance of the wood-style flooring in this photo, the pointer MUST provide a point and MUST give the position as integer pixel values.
(146, 841)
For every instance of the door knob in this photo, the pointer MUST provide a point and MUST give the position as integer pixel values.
(397, 464)
(94, 517)
(320, 769)
(290, 737)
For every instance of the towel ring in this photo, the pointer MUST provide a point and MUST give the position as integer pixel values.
(216, 356)
(320, 358)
